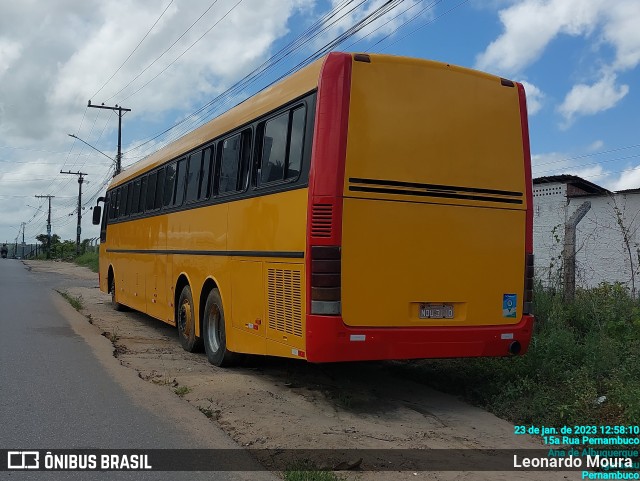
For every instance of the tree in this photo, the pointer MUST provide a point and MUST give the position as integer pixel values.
(43, 239)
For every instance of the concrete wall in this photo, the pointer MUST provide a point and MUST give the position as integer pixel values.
(601, 252)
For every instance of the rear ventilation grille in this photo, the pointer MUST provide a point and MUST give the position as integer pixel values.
(321, 220)
(285, 301)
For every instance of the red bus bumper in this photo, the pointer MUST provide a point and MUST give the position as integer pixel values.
(330, 340)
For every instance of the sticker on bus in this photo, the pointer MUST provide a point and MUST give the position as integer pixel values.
(509, 305)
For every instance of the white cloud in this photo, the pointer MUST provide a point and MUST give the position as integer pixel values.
(628, 179)
(591, 99)
(55, 55)
(595, 146)
(535, 96)
(622, 31)
(9, 52)
(531, 25)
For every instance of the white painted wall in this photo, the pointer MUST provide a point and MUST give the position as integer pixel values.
(601, 253)
(549, 213)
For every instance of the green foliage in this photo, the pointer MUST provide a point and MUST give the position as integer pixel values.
(579, 352)
(306, 471)
(76, 302)
(182, 391)
(88, 259)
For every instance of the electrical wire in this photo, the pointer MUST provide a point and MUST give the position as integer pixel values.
(134, 50)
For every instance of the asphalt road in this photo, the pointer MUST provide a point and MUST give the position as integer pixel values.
(60, 388)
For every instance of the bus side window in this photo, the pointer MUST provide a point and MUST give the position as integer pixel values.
(245, 159)
(194, 169)
(116, 210)
(205, 182)
(110, 200)
(127, 208)
(282, 143)
(143, 194)
(230, 158)
(159, 189)
(274, 148)
(151, 191)
(296, 143)
(136, 197)
(180, 181)
(123, 200)
(169, 181)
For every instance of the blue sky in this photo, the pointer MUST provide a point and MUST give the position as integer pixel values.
(578, 59)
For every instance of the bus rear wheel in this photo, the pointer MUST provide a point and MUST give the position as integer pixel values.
(186, 321)
(214, 330)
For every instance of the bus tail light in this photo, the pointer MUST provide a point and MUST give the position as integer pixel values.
(528, 285)
(325, 280)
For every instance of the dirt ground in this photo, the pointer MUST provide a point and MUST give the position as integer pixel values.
(286, 404)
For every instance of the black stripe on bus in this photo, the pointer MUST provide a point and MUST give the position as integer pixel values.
(287, 254)
(437, 187)
(445, 195)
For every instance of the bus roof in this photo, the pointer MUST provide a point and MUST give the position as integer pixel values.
(290, 88)
(269, 99)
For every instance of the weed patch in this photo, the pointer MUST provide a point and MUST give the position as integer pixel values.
(580, 352)
(76, 302)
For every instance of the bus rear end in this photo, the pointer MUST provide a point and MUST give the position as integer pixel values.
(420, 220)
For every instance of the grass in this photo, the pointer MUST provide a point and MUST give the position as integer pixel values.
(306, 471)
(182, 391)
(579, 352)
(76, 302)
(88, 259)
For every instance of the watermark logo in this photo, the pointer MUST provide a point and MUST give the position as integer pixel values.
(23, 460)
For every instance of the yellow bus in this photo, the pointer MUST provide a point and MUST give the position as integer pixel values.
(367, 207)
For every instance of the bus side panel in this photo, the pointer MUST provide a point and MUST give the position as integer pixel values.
(268, 284)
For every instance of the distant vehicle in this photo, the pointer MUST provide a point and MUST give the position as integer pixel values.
(4, 251)
(366, 207)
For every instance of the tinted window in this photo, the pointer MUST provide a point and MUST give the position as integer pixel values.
(274, 148)
(193, 176)
(127, 208)
(229, 164)
(282, 143)
(169, 179)
(136, 197)
(180, 178)
(207, 171)
(296, 143)
(151, 191)
(123, 200)
(118, 197)
(159, 189)
(143, 194)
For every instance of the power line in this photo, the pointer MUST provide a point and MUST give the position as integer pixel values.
(196, 118)
(589, 155)
(162, 54)
(134, 50)
(180, 56)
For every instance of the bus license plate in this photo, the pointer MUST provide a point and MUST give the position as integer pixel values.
(436, 311)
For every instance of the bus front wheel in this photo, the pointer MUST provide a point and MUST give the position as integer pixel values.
(186, 321)
(215, 338)
(115, 304)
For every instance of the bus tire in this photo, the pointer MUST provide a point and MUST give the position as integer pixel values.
(186, 321)
(214, 333)
(115, 304)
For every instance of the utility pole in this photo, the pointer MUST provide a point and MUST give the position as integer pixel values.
(48, 223)
(120, 111)
(79, 230)
(24, 224)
